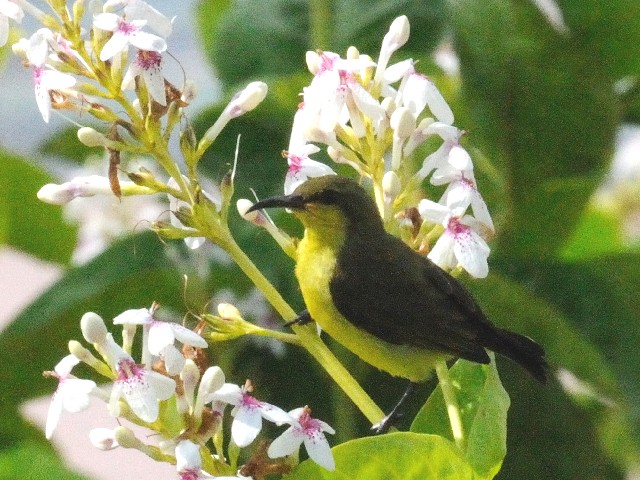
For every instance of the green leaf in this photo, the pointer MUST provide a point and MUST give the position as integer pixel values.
(543, 109)
(26, 223)
(34, 461)
(65, 144)
(609, 30)
(565, 346)
(401, 456)
(131, 274)
(270, 38)
(597, 233)
(511, 306)
(483, 407)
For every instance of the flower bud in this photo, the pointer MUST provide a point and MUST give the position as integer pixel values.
(247, 99)
(397, 35)
(93, 328)
(103, 438)
(244, 204)
(391, 186)
(189, 375)
(402, 122)
(77, 187)
(313, 60)
(212, 380)
(92, 138)
(353, 53)
(229, 312)
(126, 438)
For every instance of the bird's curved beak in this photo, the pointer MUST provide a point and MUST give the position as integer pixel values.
(294, 202)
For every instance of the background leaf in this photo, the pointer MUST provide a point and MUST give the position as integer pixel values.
(403, 455)
(26, 223)
(483, 405)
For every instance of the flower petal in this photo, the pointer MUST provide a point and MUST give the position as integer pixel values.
(187, 336)
(246, 425)
(138, 316)
(116, 44)
(75, 394)
(64, 366)
(472, 252)
(160, 335)
(53, 415)
(287, 443)
(148, 41)
(319, 450)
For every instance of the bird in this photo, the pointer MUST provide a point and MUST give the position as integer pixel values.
(390, 305)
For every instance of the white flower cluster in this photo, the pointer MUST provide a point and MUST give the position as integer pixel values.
(166, 389)
(372, 116)
(53, 57)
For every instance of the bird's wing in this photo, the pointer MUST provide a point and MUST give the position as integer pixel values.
(392, 292)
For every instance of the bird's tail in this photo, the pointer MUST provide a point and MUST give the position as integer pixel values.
(523, 351)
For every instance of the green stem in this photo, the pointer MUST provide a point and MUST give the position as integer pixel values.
(283, 337)
(320, 19)
(306, 334)
(450, 400)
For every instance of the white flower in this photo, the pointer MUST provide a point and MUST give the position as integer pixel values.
(188, 461)
(301, 167)
(8, 10)
(449, 155)
(44, 77)
(126, 33)
(141, 388)
(459, 243)
(418, 92)
(307, 430)
(461, 192)
(159, 337)
(335, 95)
(71, 395)
(148, 65)
(248, 412)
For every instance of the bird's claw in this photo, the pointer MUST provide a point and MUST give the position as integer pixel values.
(303, 318)
(386, 423)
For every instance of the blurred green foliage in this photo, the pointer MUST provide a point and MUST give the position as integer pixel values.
(540, 107)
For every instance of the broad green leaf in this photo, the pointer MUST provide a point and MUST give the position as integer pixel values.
(131, 274)
(600, 297)
(597, 233)
(483, 405)
(609, 30)
(26, 223)
(401, 456)
(543, 109)
(35, 462)
(511, 306)
(65, 144)
(268, 38)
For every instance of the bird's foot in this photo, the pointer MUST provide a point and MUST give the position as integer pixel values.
(396, 413)
(386, 423)
(303, 318)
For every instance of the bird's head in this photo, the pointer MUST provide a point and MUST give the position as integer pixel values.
(326, 201)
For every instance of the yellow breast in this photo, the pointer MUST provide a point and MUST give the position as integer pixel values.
(316, 261)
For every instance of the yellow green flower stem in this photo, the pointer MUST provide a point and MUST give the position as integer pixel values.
(451, 402)
(306, 334)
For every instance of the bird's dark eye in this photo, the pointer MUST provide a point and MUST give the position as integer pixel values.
(326, 197)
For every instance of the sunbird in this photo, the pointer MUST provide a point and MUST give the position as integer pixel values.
(391, 306)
